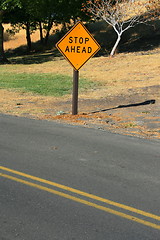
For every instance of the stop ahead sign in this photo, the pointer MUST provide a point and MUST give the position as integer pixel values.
(78, 46)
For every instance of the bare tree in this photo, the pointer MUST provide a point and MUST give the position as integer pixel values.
(120, 14)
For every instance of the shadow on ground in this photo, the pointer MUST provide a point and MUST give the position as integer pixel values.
(128, 105)
(36, 58)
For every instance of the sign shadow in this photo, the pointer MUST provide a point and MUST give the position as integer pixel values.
(152, 101)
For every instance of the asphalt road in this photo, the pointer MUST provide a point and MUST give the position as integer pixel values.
(60, 182)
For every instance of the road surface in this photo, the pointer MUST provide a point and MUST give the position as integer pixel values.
(62, 182)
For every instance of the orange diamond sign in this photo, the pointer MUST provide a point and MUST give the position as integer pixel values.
(78, 46)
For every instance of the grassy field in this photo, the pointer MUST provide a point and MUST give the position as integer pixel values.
(46, 84)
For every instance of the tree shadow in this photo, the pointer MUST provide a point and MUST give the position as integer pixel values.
(152, 101)
(35, 58)
(141, 38)
(39, 53)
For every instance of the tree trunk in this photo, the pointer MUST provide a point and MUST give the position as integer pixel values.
(50, 24)
(3, 58)
(28, 37)
(41, 32)
(115, 45)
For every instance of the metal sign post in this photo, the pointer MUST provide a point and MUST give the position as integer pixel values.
(75, 92)
(77, 46)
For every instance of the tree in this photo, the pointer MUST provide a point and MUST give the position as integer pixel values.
(48, 13)
(62, 11)
(27, 17)
(6, 7)
(120, 14)
(72, 10)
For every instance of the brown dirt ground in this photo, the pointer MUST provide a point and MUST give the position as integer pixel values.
(133, 114)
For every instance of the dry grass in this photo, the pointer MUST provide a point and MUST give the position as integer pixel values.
(19, 39)
(117, 74)
(124, 79)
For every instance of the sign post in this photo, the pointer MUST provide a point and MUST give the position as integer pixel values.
(77, 46)
(75, 92)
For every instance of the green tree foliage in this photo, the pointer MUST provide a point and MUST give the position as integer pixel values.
(72, 9)
(27, 17)
(37, 14)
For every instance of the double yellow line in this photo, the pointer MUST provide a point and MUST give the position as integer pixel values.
(82, 201)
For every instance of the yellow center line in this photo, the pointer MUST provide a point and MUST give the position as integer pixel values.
(88, 195)
(108, 210)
